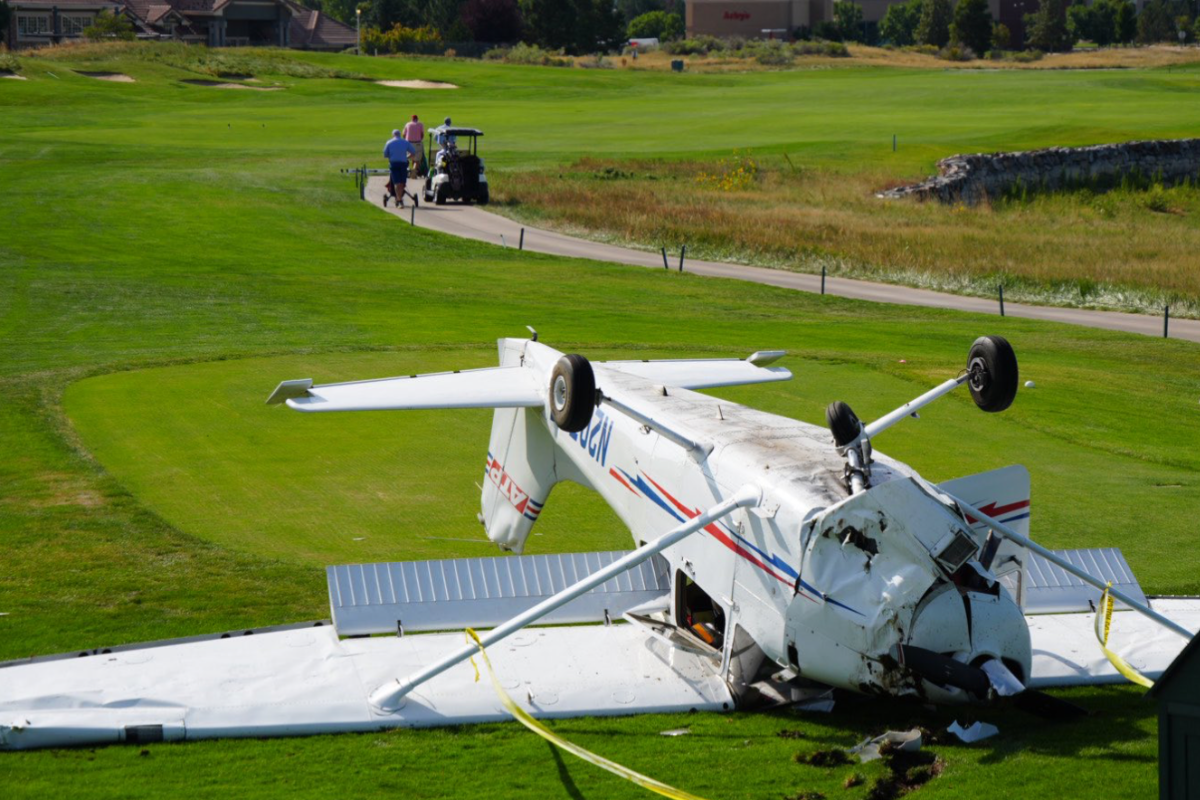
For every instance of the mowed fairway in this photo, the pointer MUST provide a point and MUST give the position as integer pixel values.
(171, 252)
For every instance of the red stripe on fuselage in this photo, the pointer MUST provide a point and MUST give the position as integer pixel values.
(721, 536)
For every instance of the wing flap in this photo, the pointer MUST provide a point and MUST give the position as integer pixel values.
(493, 387)
(705, 373)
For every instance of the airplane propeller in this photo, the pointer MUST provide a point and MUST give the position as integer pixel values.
(945, 671)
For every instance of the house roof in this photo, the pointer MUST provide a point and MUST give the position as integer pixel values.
(311, 28)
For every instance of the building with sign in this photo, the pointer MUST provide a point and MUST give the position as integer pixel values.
(754, 19)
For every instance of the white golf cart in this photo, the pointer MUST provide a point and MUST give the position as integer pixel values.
(455, 170)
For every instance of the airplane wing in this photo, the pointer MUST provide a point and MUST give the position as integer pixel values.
(305, 679)
(493, 387)
(706, 373)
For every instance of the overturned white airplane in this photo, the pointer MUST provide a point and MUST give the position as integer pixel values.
(772, 556)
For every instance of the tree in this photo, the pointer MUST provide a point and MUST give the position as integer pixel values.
(899, 24)
(601, 27)
(443, 16)
(387, 14)
(632, 9)
(1079, 22)
(493, 20)
(1048, 28)
(655, 25)
(576, 26)
(1155, 23)
(934, 25)
(1104, 22)
(1001, 36)
(849, 18)
(5, 17)
(548, 23)
(973, 25)
(1124, 22)
(108, 25)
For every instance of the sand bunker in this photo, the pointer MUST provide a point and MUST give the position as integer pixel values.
(13, 77)
(115, 77)
(417, 84)
(220, 85)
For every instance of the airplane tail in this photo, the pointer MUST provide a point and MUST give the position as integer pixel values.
(519, 471)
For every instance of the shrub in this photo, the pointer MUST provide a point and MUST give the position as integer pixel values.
(9, 63)
(956, 52)
(923, 49)
(400, 39)
(532, 54)
(699, 46)
(497, 54)
(735, 174)
(1024, 56)
(772, 53)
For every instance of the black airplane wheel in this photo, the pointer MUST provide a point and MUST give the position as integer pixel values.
(843, 423)
(572, 393)
(992, 373)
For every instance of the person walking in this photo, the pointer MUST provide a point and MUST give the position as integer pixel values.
(414, 134)
(397, 151)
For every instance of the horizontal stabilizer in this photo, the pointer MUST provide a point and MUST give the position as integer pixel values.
(705, 373)
(493, 387)
(1049, 589)
(483, 592)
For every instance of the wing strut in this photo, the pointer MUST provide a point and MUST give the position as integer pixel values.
(387, 698)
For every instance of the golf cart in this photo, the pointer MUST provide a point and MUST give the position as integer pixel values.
(455, 170)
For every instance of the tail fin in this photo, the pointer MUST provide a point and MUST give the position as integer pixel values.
(520, 469)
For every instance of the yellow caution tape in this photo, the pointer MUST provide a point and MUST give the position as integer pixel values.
(522, 716)
(1123, 667)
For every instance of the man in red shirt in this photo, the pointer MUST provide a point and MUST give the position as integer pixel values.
(414, 133)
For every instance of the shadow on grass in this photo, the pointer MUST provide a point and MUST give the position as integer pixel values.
(564, 774)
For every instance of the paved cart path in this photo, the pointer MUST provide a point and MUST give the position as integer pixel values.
(472, 222)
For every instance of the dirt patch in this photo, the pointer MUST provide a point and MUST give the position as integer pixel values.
(417, 84)
(221, 85)
(114, 77)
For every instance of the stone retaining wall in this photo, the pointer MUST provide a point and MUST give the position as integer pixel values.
(972, 178)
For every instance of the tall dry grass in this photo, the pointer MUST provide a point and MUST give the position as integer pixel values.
(860, 55)
(1126, 249)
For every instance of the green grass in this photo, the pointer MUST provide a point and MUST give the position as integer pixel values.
(170, 252)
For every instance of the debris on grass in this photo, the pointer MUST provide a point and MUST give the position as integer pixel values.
(805, 796)
(887, 743)
(675, 732)
(973, 733)
(823, 758)
(788, 733)
(854, 779)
